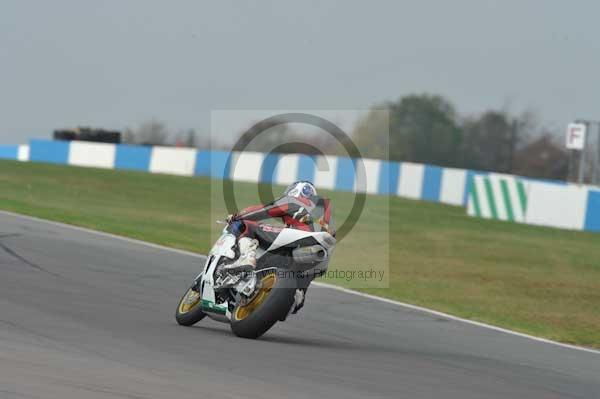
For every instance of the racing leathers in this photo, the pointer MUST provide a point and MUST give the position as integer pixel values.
(308, 214)
(295, 212)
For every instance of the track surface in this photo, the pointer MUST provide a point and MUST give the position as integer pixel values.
(88, 316)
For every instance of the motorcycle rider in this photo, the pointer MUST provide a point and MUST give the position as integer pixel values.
(296, 208)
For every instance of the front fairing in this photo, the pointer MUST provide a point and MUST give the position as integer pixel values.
(224, 245)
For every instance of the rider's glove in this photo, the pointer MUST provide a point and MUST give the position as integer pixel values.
(235, 225)
(303, 216)
(306, 219)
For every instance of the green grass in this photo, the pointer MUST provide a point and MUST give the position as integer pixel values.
(540, 281)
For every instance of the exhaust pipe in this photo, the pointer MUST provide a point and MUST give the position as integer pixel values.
(311, 254)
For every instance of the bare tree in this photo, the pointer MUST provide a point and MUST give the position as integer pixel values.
(128, 136)
(190, 139)
(152, 132)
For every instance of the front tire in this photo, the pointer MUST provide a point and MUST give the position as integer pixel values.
(189, 310)
(272, 303)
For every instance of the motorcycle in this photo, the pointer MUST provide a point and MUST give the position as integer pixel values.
(253, 301)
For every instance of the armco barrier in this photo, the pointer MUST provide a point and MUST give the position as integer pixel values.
(404, 179)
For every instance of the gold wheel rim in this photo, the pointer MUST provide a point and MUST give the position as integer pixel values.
(189, 301)
(268, 282)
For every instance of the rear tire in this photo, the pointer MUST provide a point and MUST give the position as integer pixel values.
(253, 321)
(190, 312)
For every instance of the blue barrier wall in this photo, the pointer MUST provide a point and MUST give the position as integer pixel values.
(49, 151)
(432, 183)
(389, 174)
(306, 167)
(9, 151)
(212, 164)
(592, 215)
(133, 157)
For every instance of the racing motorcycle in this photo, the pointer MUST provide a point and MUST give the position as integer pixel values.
(253, 301)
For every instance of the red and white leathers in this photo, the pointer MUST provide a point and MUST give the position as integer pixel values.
(308, 214)
(295, 212)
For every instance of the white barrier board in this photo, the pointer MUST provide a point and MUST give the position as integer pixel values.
(287, 169)
(246, 166)
(411, 180)
(96, 155)
(172, 160)
(370, 185)
(453, 186)
(557, 205)
(23, 154)
(325, 172)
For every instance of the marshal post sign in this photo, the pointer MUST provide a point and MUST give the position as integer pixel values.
(576, 136)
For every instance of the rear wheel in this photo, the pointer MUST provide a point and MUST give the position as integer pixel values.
(272, 302)
(189, 311)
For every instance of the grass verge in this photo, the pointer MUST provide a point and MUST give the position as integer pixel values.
(535, 280)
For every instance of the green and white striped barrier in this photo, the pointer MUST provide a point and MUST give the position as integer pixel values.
(500, 197)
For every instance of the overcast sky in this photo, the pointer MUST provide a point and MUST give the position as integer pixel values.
(117, 63)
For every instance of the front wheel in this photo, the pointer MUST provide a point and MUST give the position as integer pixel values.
(189, 310)
(272, 302)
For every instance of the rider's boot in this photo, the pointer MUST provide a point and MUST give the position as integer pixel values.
(299, 297)
(247, 259)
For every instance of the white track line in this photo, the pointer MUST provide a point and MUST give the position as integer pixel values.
(324, 285)
(104, 234)
(456, 318)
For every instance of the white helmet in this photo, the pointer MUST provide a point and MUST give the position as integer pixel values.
(300, 189)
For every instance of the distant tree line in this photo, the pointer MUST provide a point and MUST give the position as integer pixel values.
(155, 132)
(427, 129)
(422, 128)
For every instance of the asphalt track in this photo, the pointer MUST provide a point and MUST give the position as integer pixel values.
(90, 316)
